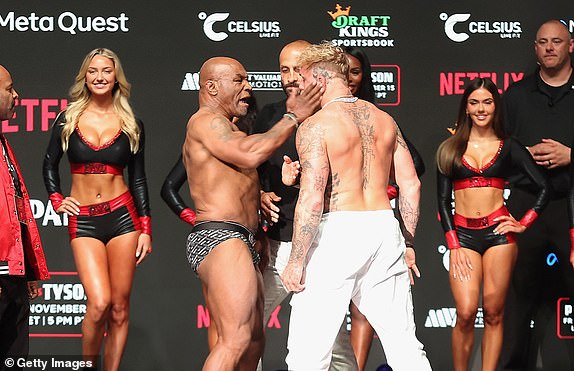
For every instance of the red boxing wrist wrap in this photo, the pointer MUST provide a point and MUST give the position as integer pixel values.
(145, 222)
(187, 215)
(529, 218)
(392, 192)
(56, 199)
(452, 240)
(571, 241)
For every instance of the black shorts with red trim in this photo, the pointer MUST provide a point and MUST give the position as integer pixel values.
(105, 220)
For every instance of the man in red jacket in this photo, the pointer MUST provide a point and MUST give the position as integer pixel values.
(22, 260)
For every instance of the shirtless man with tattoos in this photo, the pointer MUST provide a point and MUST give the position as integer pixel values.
(221, 163)
(347, 244)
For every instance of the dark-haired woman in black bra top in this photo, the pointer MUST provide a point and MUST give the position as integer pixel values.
(474, 164)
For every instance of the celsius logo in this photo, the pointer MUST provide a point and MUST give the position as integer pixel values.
(208, 22)
(362, 30)
(265, 29)
(268, 81)
(445, 252)
(449, 26)
(505, 29)
(67, 22)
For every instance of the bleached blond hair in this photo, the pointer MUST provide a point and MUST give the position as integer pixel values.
(325, 55)
(80, 97)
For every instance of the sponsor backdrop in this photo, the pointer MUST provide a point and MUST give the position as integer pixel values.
(422, 53)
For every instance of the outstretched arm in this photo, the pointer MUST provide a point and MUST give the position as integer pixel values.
(309, 209)
(248, 152)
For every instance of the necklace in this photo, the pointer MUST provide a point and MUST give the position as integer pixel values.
(343, 98)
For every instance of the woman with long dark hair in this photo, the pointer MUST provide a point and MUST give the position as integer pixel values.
(474, 165)
(109, 220)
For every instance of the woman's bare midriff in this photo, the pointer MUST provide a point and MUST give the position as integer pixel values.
(478, 202)
(95, 188)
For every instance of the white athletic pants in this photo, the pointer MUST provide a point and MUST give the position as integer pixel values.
(343, 355)
(356, 255)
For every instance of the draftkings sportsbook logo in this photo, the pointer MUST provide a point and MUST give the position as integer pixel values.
(362, 30)
(268, 81)
(456, 25)
(217, 27)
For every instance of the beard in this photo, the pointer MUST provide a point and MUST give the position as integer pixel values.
(290, 88)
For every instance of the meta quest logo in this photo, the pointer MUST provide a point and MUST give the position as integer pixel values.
(362, 30)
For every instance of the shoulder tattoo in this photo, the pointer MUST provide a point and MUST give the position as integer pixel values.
(221, 128)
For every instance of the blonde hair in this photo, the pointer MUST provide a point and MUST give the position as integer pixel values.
(80, 97)
(325, 55)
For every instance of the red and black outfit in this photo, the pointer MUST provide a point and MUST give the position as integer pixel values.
(21, 256)
(106, 220)
(477, 233)
(170, 192)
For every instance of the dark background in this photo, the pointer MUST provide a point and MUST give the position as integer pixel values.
(164, 41)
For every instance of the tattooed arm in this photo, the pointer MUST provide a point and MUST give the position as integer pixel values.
(227, 143)
(409, 184)
(309, 209)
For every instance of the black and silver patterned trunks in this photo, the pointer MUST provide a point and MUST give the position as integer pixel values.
(205, 236)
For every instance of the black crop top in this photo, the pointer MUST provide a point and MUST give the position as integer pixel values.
(512, 157)
(115, 153)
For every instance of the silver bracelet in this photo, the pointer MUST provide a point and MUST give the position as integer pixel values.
(292, 116)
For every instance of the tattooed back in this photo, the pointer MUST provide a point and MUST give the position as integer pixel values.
(347, 149)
